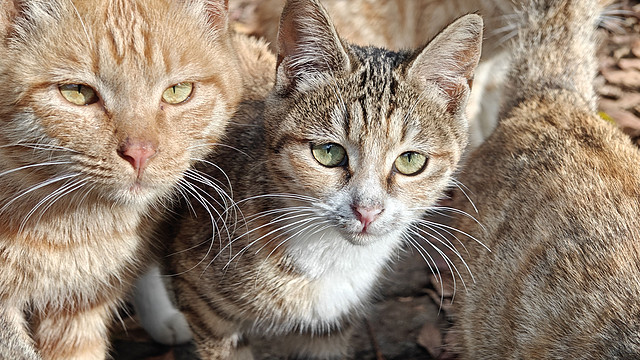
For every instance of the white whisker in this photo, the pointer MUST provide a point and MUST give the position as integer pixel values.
(69, 186)
(443, 226)
(450, 265)
(30, 166)
(38, 186)
(460, 186)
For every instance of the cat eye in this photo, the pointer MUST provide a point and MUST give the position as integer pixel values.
(329, 155)
(410, 163)
(178, 93)
(78, 94)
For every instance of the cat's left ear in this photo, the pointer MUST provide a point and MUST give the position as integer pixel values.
(309, 47)
(450, 60)
(216, 12)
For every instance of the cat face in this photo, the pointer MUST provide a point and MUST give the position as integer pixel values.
(113, 97)
(371, 136)
(373, 160)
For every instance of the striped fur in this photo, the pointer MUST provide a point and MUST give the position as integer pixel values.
(289, 256)
(75, 215)
(557, 191)
(404, 24)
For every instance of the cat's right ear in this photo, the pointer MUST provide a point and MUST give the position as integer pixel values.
(449, 61)
(309, 48)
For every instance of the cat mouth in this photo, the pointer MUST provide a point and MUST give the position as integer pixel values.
(136, 188)
(139, 187)
(362, 237)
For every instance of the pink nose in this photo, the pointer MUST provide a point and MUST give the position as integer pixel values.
(366, 215)
(137, 153)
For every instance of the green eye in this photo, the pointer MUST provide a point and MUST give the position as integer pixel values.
(329, 155)
(78, 94)
(177, 93)
(410, 163)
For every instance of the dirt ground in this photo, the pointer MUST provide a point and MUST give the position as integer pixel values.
(411, 315)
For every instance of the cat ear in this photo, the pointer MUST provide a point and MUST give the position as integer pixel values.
(214, 12)
(449, 60)
(217, 13)
(309, 47)
(8, 12)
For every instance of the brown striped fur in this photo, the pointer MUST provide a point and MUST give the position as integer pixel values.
(289, 257)
(405, 24)
(557, 191)
(75, 214)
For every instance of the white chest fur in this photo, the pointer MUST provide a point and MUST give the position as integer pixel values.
(342, 275)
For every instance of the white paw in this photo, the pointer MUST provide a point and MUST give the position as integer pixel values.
(156, 313)
(171, 329)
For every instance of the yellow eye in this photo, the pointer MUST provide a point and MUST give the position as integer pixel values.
(410, 163)
(329, 155)
(78, 94)
(177, 93)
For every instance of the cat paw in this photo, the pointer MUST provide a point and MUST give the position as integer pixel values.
(172, 329)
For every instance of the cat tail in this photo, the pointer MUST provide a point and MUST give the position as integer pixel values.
(554, 52)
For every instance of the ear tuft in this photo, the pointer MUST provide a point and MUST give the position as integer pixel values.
(308, 45)
(8, 11)
(217, 13)
(450, 59)
(214, 13)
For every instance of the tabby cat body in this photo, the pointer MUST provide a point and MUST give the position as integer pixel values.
(106, 104)
(557, 191)
(328, 174)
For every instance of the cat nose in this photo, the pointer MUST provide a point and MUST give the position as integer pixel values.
(137, 153)
(366, 215)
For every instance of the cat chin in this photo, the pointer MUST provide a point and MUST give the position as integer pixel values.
(138, 194)
(366, 239)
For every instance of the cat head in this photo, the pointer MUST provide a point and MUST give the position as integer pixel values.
(113, 97)
(373, 136)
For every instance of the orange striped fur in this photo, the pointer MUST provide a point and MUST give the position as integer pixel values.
(76, 211)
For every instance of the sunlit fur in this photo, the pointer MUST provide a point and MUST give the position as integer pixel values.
(393, 24)
(558, 192)
(290, 258)
(73, 212)
(403, 24)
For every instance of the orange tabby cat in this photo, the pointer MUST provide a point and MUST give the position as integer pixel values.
(105, 106)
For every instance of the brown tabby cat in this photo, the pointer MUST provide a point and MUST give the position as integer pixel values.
(105, 106)
(558, 195)
(329, 174)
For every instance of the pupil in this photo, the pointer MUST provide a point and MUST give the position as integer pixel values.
(409, 155)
